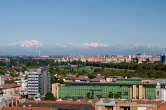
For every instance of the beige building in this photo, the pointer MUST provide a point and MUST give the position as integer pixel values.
(11, 89)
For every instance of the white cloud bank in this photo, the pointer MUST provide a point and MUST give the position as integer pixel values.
(83, 45)
(36, 43)
(27, 43)
(94, 44)
(30, 43)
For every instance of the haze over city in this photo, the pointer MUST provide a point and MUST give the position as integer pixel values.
(82, 55)
(84, 27)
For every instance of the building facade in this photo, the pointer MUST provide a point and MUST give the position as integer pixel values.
(11, 90)
(2, 80)
(125, 88)
(38, 83)
(163, 58)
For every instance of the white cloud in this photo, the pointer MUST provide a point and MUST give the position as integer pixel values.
(31, 43)
(27, 43)
(83, 45)
(94, 44)
(66, 45)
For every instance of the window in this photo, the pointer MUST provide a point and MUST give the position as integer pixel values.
(158, 93)
(99, 108)
(125, 93)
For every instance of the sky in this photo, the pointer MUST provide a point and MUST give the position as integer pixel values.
(83, 23)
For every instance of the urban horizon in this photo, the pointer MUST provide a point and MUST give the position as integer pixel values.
(82, 28)
(82, 55)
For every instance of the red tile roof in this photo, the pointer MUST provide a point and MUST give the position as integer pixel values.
(74, 76)
(60, 76)
(7, 86)
(82, 79)
(28, 108)
(88, 79)
(8, 77)
(95, 80)
(162, 106)
(59, 102)
(147, 102)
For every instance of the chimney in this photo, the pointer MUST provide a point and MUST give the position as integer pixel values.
(7, 102)
(12, 101)
(16, 102)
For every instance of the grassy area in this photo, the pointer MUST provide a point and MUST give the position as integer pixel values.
(116, 69)
(86, 69)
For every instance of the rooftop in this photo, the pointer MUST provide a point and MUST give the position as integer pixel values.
(57, 102)
(129, 81)
(28, 108)
(162, 106)
(73, 105)
(7, 86)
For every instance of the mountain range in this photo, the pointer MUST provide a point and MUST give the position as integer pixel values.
(73, 51)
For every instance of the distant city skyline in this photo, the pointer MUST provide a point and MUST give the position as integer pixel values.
(82, 25)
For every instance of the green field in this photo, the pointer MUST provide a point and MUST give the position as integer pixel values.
(88, 69)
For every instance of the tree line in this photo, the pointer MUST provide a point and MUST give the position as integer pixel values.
(148, 70)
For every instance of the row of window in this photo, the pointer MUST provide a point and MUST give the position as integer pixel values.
(33, 81)
(33, 84)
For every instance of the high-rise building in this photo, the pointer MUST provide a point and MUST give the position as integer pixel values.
(2, 80)
(38, 83)
(163, 58)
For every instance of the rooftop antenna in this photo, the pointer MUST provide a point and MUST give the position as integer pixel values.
(144, 52)
(39, 51)
(150, 51)
(163, 51)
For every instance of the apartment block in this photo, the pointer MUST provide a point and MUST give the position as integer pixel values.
(38, 82)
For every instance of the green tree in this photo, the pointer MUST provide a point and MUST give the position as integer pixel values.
(9, 81)
(111, 95)
(74, 98)
(117, 95)
(50, 96)
(91, 76)
(1, 72)
(13, 74)
(60, 81)
(88, 95)
(26, 77)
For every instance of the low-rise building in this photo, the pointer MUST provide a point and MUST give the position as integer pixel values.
(95, 104)
(125, 88)
(11, 89)
(23, 86)
(52, 105)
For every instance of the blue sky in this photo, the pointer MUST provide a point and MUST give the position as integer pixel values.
(84, 22)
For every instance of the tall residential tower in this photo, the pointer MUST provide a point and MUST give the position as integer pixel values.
(38, 82)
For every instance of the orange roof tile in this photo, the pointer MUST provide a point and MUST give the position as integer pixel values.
(8, 77)
(147, 102)
(162, 106)
(7, 86)
(28, 108)
(59, 102)
(94, 80)
(82, 78)
(74, 76)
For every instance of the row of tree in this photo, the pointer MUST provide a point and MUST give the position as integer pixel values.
(149, 70)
